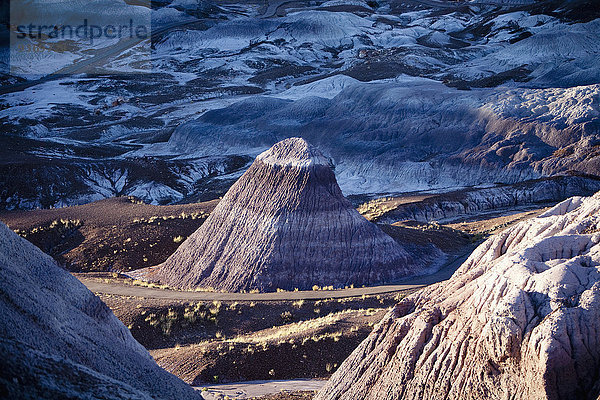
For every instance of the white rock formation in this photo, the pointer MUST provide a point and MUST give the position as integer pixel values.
(520, 319)
(285, 224)
(445, 206)
(58, 340)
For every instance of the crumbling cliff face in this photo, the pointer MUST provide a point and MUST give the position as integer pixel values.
(518, 320)
(285, 224)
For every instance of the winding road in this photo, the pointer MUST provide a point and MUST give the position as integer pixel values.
(121, 289)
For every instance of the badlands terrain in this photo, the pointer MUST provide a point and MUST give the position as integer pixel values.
(403, 96)
(347, 199)
(207, 337)
(285, 224)
(58, 340)
(517, 320)
(538, 299)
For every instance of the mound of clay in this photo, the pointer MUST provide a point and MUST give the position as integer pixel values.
(58, 340)
(285, 224)
(520, 319)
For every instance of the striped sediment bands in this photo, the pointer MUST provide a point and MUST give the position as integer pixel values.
(286, 224)
(59, 341)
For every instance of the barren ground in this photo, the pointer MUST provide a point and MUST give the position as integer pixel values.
(493, 223)
(117, 234)
(211, 342)
(206, 340)
(122, 234)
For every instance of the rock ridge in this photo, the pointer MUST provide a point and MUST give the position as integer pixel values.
(58, 340)
(519, 319)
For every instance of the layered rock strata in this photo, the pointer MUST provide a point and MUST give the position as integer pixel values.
(286, 224)
(520, 319)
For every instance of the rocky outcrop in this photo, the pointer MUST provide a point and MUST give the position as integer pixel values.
(446, 206)
(518, 320)
(58, 340)
(285, 224)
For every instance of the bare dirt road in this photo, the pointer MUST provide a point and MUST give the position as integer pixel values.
(252, 389)
(113, 288)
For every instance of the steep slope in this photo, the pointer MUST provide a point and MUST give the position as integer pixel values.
(519, 320)
(59, 340)
(285, 224)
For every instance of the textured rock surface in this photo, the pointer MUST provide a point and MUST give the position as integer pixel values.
(379, 79)
(58, 340)
(416, 134)
(519, 320)
(472, 201)
(285, 224)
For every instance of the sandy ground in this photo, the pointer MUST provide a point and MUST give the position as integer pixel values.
(492, 223)
(251, 389)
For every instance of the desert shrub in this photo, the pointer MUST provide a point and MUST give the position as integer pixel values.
(298, 303)
(59, 226)
(200, 312)
(163, 322)
(178, 239)
(286, 316)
